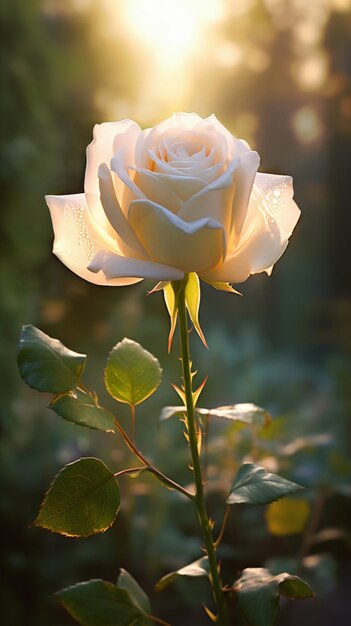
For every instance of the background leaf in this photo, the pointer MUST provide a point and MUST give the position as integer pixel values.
(46, 364)
(245, 412)
(82, 408)
(254, 485)
(83, 500)
(287, 517)
(136, 593)
(197, 568)
(132, 374)
(293, 586)
(100, 603)
(258, 594)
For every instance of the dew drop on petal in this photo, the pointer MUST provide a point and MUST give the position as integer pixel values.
(76, 216)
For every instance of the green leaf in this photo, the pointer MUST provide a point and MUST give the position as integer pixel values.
(197, 568)
(46, 364)
(258, 594)
(100, 603)
(136, 593)
(293, 586)
(132, 374)
(254, 485)
(192, 300)
(82, 408)
(83, 500)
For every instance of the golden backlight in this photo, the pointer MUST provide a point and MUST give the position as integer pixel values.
(170, 29)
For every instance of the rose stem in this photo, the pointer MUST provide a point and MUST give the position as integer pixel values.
(205, 523)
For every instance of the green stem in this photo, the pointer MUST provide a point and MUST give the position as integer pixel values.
(206, 525)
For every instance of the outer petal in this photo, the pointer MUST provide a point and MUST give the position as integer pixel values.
(244, 180)
(129, 243)
(115, 266)
(274, 194)
(259, 253)
(130, 191)
(109, 138)
(270, 220)
(170, 240)
(78, 237)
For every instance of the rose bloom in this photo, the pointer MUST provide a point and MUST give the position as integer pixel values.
(184, 196)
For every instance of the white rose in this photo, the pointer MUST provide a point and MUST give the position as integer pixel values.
(184, 196)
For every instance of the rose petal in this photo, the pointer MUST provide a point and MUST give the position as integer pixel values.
(172, 126)
(183, 186)
(215, 200)
(244, 180)
(207, 175)
(275, 193)
(270, 220)
(78, 237)
(129, 243)
(179, 120)
(191, 246)
(130, 190)
(156, 190)
(236, 147)
(259, 253)
(115, 266)
(108, 138)
(187, 145)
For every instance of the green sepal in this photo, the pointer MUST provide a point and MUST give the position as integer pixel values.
(192, 300)
(220, 286)
(83, 500)
(171, 296)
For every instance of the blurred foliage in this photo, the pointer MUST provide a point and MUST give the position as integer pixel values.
(278, 74)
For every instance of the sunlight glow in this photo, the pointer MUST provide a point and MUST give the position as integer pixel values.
(170, 29)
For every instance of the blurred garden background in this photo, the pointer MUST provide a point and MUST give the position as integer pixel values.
(276, 73)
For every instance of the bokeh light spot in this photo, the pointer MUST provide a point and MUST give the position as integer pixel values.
(311, 73)
(307, 125)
